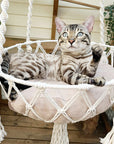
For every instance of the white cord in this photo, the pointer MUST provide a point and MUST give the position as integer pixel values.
(102, 21)
(3, 18)
(29, 48)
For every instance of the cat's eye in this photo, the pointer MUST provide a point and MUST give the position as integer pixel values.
(80, 34)
(65, 34)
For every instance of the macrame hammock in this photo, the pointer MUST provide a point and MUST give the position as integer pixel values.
(58, 102)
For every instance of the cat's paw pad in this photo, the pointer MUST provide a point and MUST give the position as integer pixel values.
(97, 52)
(99, 81)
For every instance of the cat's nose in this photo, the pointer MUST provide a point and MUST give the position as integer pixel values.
(71, 41)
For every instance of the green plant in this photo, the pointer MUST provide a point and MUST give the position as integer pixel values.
(109, 21)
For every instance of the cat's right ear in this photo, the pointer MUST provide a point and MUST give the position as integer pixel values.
(59, 24)
(89, 23)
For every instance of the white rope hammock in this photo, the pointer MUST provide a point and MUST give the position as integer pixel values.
(61, 114)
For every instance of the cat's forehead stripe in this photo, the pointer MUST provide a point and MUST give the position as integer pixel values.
(72, 27)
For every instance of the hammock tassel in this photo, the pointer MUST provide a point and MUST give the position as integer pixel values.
(60, 134)
(109, 139)
(2, 131)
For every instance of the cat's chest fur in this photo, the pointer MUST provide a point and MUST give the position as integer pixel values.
(77, 64)
(53, 63)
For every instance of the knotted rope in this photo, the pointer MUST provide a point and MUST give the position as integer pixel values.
(60, 134)
(3, 18)
(102, 21)
(29, 48)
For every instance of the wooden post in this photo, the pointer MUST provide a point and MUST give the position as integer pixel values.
(82, 3)
(55, 11)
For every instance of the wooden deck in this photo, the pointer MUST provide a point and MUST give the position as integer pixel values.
(23, 130)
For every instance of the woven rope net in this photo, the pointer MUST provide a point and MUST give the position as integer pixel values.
(73, 103)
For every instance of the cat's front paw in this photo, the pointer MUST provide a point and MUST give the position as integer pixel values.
(97, 52)
(99, 81)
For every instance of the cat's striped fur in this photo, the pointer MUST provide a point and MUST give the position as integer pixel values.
(77, 63)
(5, 64)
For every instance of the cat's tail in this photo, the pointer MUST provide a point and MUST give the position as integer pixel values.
(6, 62)
(5, 68)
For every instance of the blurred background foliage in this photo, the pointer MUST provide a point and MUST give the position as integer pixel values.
(109, 21)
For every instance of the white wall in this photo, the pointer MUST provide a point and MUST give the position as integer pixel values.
(42, 17)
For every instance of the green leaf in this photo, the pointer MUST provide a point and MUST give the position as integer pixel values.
(109, 22)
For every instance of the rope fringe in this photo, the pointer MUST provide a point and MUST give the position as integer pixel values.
(2, 131)
(60, 134)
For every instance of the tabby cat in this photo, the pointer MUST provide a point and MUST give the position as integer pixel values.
(77, 63)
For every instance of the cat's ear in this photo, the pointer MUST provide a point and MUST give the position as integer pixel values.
(59, 24)
(89, 23)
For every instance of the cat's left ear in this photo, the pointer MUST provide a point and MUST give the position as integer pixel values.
(59, 24)
(89, 23)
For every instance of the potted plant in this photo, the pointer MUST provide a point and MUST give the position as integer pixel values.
(109, 21)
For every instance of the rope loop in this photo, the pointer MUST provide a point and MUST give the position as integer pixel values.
(61, 111)
(28, 107)
(29, 49)
(39, 43)
(40, 85)
(38, 46)
(55, 49)
(20, 49)
(92, 110)
(42, 90)
(11, 83)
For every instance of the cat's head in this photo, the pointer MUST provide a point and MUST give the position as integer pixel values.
(75, 38)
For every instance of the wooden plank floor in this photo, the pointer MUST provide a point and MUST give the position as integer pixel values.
(23, 130)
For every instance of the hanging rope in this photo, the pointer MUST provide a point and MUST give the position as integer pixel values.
(60, 134)
(102, 21)
(29, 48)
(3, 18)
(105, 60)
